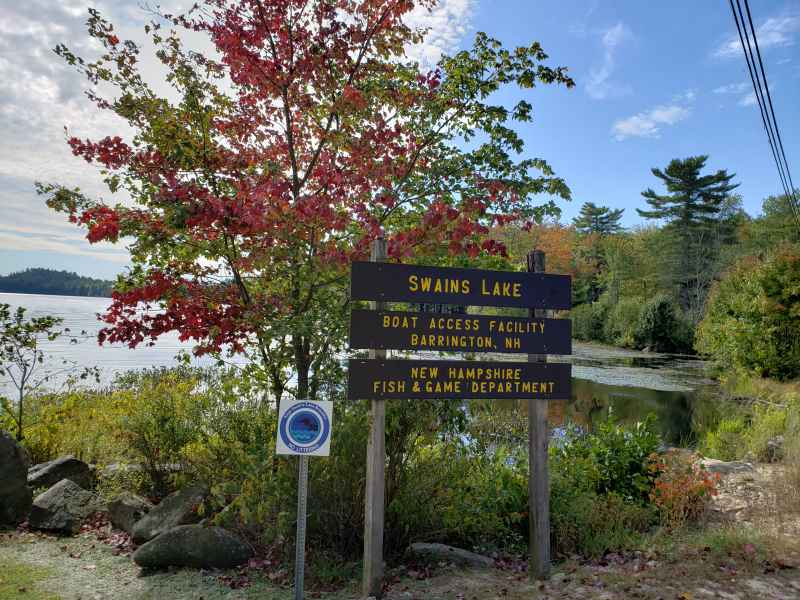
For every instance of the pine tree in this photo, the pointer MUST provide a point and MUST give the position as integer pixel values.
(598, 219)
(594, 224)
(692, 209)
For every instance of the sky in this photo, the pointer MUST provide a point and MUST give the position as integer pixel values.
(654, 81)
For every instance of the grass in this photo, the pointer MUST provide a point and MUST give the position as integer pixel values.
(18, 581)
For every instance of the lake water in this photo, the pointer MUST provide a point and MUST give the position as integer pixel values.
(631, 384)
(79, 314)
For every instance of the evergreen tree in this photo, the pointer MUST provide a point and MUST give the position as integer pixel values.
(598, 219)
(693, 208)
(594, 224)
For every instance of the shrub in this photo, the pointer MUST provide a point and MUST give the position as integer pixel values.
(621, 322)
(767, 423)
(584, 521)
(78, 422)
(591, 524)
(588, 321)
(752, 319)
(619, 454)
(660, 328)
(682, 490)
(159, 415)
(727, 440)
(490, 506)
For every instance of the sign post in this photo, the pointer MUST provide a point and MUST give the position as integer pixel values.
(304, 429)
(300, 539)
(539, 475)
(378, 379)
(374, 494)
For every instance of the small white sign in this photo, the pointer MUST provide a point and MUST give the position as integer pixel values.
(304, 428)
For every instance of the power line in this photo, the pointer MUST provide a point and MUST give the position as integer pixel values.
(744, 40)
(768, 119)
(769, 99)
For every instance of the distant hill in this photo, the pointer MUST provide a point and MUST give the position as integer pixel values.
(48, 281)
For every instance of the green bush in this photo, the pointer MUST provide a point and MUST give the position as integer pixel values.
(590, 524)
(752, 319)
(619, 455)
(159, 415)
(660, 328)
(588, 321)
(589, 516)
(766, 423)
(621, 322)
(726, 441)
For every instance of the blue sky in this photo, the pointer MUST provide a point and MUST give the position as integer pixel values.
(655, 81)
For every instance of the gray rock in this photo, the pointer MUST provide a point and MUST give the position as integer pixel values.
(115, 469)
(712, 465)
(176, 509)
(63, 507)
(15, 495)
(65, 467)
(451, 554)
(126, 509)
(775, 449)
(193, 546)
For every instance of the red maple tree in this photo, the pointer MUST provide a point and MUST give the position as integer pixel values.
(310, 135)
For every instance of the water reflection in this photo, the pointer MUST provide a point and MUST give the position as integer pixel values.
(632, 385)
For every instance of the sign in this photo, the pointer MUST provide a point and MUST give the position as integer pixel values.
(449, 379)
(458, 333)
(389, 282)
(304, 428)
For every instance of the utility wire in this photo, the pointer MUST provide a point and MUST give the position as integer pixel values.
(767, 119)
(759, 91)
(769, 99)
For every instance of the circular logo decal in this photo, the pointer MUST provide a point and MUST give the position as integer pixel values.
(304, 428)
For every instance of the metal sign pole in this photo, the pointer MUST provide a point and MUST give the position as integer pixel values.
(300, 542)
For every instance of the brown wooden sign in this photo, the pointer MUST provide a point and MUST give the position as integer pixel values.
(443, 379)
(458, 333)
(390, 282)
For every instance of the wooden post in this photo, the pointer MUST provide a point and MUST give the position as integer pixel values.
(539, 475)
(376, 466)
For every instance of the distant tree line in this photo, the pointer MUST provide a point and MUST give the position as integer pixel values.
(49, 281)
(649, 286)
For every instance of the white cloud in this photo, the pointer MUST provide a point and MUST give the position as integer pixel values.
(599, 84)
(748, 99)
(784, 61)
(774, 32)
(647, 124)
(733, 88)
(12, 241)
(744, 90)
(447, 23)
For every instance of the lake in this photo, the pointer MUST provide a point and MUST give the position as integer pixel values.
(79, 314)
(632, 384)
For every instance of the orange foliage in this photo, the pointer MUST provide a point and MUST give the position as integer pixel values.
(559, 242)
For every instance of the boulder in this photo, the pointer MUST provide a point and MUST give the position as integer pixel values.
(176, 509)
(15, 495)
(126, 509)
(712, 465)
(775, 449)
(62, 508)
(193, 546)
(65, 467)
(451, 554)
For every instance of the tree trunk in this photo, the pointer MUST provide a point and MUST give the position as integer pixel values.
(302, 363)
(19, 414)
